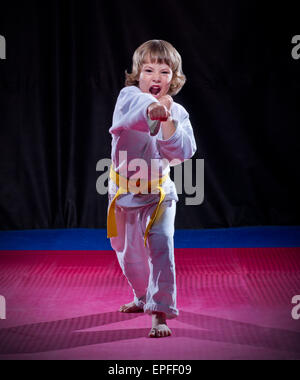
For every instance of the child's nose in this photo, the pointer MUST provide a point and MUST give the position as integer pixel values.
(156, 77)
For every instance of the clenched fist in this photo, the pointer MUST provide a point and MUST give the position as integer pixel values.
(158, 111)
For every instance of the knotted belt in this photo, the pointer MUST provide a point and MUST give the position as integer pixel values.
(132, 185)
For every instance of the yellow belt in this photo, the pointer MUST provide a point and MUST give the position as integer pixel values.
(134, 186)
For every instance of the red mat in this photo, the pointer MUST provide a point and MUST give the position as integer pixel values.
(234, 303)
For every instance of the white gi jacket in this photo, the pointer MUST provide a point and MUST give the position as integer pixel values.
(134, 133)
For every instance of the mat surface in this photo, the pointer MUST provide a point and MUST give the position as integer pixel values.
(235, 303)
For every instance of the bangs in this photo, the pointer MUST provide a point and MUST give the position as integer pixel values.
(158, 53)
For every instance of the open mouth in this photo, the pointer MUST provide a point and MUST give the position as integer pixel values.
(155, 90)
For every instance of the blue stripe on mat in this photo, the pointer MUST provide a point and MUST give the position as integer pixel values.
(95, 239)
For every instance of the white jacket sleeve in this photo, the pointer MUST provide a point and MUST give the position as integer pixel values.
(131, 110)
(181, 145)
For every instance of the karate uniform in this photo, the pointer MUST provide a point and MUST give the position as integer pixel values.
(150, 269)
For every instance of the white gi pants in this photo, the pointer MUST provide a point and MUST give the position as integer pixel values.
(149, 270)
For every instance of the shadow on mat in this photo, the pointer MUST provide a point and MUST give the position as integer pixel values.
(64, 334)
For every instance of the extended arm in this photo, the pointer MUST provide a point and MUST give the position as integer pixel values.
(131, 110)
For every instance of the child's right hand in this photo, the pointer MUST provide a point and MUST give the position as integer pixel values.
(157, 111)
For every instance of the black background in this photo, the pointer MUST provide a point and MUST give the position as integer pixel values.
(65, 67)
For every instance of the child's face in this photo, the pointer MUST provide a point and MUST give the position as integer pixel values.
(155, 78)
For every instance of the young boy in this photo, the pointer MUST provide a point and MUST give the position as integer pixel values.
(150, 133)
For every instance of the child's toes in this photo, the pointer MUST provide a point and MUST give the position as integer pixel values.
(123, 308)
(159, 333)
(152, 333)
(164, 333)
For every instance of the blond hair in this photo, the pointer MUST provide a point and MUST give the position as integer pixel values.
(160, 52)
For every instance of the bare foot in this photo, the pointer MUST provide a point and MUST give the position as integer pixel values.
(159, 326)
(131, 308)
